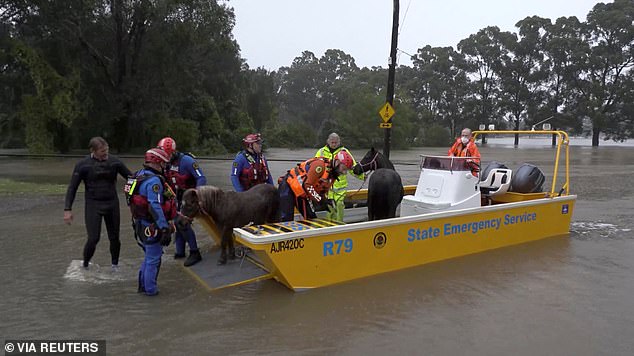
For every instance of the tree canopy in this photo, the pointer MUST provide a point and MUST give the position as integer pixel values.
(133, 71)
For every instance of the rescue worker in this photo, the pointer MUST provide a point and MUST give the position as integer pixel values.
(466, 147)
(99, 172)
(250, 166)
(183, 173)
(152, 206)
(309, 182)
(337, 194)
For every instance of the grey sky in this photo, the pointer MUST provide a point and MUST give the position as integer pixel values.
(271, 33)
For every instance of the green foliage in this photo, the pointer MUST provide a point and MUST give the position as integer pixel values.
(54, 101)
(292, 135)
(185, 132)
(34, 114)
(134, 71)
(435, 136)
(358, 122)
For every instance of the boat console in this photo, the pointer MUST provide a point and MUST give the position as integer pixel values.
(445, 183)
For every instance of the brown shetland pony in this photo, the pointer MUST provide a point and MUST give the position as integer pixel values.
(230, 209)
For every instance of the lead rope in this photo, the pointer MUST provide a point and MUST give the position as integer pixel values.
(370, 171)
(365, 178)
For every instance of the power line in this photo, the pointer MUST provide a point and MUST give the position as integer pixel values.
(401, 29)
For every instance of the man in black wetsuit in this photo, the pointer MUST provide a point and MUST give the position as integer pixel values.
(99, 174)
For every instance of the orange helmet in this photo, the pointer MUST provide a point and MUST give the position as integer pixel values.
(156, 155)
(345, 158)
(250, 139)
(168, 145)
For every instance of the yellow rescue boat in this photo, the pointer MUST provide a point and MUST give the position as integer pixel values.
(450, 213)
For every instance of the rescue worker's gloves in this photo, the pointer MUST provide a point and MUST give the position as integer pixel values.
(357, 169)
(166, 237)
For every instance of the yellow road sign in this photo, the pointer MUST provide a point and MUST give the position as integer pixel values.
(385, 125)
(386, 112)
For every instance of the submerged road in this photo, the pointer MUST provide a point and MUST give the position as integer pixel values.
(566, 296)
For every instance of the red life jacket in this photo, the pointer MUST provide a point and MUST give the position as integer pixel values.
(176, 179)
(255, 174)
(139, 205)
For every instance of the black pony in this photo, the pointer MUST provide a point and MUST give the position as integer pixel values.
(257, 205)
(385, 190)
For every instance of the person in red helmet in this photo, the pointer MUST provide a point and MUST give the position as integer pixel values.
(168, 145)
(99, 173)
(309, 182)
(182, 173)
(250, 166)
(152, 205)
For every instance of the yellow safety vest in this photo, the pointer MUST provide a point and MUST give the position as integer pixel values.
(341, 184)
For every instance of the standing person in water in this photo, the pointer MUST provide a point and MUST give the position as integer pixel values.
(99, 172)
(153, 208)
(182, 173)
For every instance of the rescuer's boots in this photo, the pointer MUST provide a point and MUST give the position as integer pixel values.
(194, 257)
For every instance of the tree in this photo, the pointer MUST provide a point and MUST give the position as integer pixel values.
(260, 97)
(610, 35)
(438, 85)
(564, 49)
(521, 69)
(143, 67)
(483, 52)
(311, 89)
(53, 106)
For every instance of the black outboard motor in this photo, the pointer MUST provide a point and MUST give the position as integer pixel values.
(490, 166)
(527, 179)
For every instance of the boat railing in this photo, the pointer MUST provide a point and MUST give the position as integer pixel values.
(446, 163)
(562, 140)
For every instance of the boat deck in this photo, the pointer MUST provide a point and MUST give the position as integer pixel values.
(235, 273)
(290, 226)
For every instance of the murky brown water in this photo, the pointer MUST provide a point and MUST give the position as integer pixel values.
(562, 296)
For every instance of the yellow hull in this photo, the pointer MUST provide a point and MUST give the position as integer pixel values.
(351, 196)
(362, 194)
(314, 256)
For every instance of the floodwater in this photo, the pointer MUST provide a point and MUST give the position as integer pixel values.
(570, 295)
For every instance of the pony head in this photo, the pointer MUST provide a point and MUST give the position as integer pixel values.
(190, 205)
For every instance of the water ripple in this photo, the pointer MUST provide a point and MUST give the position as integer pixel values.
(586, 230)
(99, 274)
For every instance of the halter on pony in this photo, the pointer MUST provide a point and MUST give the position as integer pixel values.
(200, 210)
(371, 163)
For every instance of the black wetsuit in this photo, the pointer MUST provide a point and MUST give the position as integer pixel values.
(99, 179)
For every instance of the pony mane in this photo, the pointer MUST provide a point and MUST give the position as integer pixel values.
(210, 197)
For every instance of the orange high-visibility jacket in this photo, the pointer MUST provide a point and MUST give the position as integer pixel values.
(312, 178)
(470, 150)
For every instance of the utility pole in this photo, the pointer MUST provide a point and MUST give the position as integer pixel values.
(390, 77)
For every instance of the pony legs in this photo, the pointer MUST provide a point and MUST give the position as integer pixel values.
(226, 245)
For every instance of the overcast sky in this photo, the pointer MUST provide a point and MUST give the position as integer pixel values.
(271, 33)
